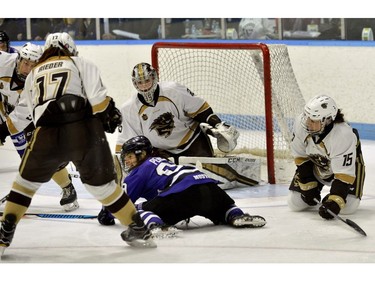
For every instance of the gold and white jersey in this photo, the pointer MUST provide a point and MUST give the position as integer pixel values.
(169, 125)
(334, 154)
(57, 76)
(9, 90)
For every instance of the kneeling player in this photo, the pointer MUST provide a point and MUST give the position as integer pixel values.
(327, 152)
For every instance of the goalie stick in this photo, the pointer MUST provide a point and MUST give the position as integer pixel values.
(349, 222)
(58, 216)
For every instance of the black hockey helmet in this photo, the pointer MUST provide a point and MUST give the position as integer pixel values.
(4, 38)
(136, 145)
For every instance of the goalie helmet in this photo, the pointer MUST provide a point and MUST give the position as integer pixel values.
(320, 108)
(145, 80)
(27, 58)
(63, 41)
(136, 145)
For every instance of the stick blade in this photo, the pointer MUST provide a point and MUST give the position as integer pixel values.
(356, 227)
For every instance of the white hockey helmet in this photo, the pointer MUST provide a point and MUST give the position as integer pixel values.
(320, 108)
(63, 41)
(31, 53)
(145, 80)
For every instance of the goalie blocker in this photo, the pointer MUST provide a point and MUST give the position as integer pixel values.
(231, 171)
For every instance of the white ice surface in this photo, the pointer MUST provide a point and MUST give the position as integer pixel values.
(235, 254)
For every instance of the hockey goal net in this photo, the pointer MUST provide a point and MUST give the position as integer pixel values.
(250, 86)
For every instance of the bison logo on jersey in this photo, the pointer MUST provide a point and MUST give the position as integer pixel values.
(321, 161)
(163, 125)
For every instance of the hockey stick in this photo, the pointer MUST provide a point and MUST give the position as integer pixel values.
(349, 222)
(58, 216)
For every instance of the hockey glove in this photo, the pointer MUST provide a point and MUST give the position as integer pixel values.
(111, 117)
(309, 195)
(332, 202)
(4, 132)
(105, 217)
(329, 205)
(225, 134)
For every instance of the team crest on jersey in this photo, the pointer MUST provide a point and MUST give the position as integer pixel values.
(144, 117)
(321, 161)
(163, 125)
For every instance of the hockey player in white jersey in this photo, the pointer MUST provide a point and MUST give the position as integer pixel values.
(71, 112)
(171, 116)
(15, 119)
(327, 152)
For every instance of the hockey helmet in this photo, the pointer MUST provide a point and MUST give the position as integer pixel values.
(63, 41)
(145, 80)
(320, 108)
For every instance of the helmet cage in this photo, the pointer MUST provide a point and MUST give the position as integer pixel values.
(29, 52)
(320, 108)
(143, 74)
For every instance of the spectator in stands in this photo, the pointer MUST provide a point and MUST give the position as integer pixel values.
(42, 27)
(147, 28)
(15, 28)
(72, 26)
(257, 28)
(87, 29)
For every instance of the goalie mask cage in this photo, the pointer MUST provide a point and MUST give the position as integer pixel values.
(250, 86)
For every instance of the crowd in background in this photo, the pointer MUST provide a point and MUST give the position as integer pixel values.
(180, 28)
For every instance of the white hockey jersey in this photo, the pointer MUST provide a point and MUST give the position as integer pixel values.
(9, 91)
(335, 154)
(169, 124)
(64, 75)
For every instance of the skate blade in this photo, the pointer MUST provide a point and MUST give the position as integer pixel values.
(170, 232)
(2, 249)
(140, 243)
(71, 206)
(254, 223)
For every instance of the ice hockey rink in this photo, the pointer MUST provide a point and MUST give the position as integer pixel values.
(288, 237)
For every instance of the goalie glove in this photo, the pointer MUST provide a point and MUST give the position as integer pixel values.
(225, 134)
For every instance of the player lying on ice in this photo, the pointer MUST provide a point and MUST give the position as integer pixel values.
(174, 192)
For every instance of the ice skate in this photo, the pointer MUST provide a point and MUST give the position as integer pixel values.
(246, 220)
(137, 235)
(69, 198)
(8, 227)
(164, 231)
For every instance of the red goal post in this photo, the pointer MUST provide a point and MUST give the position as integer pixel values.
(251, 86)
